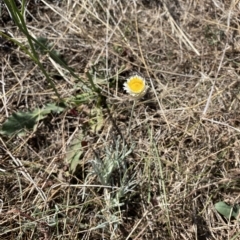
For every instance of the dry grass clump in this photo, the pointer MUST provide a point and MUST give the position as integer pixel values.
(147, 169)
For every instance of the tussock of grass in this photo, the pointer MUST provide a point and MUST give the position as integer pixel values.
(149, 169)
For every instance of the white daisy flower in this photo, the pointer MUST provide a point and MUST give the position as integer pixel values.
(136, 86)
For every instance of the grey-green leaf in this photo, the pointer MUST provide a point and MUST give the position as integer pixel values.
(227, 210)
(74, 152)
(96, 121)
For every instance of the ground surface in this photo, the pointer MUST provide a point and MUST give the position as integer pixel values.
(153, 170)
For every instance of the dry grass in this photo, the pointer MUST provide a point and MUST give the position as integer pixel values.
(177, 157)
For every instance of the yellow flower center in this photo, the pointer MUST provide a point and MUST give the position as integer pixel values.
(136, 85)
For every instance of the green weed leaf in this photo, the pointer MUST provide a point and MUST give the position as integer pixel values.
(19, 122)
(51, 107)
(227, 210)
(74, 152)
(44, 46)
(56, 56)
